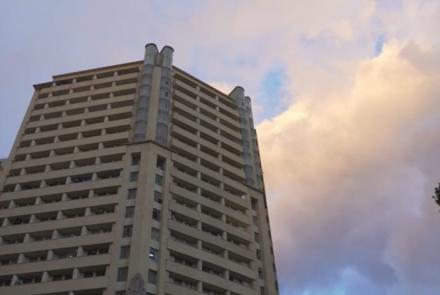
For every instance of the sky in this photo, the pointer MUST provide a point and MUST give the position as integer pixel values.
(346, 97)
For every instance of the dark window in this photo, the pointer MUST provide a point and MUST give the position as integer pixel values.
(159, 179)
(125, 252)
(129, 211)
(156, 214)
(131, 193)
(127, 231)
(134, 176)
(155, 234)
(152, 277)
(135, 159)
(160, 163)
(158, 197)
(122, 274)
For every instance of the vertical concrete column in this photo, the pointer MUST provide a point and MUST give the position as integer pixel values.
(165, 93)
(11, 204)
(27, 238)
(80, 251)
(45, 277)
(21, 258)
(14, 280)
(5, 222)
(75, 274)
(142, 108)
(94, 176)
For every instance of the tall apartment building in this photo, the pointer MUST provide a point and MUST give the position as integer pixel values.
(135, 178)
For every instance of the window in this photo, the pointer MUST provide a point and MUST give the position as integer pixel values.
(127, 231)
(152, 277)
(158, 197)
(122, 274)
(156, 214)
(125, 252)
(135, 159)
(155, 234)
(132, 194)
(160, 163)
(129, 211)
(134, 176)
(153, 254)
(159, 179)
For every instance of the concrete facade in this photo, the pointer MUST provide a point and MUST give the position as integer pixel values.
(135, 179)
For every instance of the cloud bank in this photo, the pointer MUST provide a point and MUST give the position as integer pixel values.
(351, 175)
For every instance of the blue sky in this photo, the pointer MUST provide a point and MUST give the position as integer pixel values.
(345, 95)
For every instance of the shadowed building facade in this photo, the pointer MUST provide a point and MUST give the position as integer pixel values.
(135, 178)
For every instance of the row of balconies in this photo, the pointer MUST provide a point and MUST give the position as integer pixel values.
(211, 121)
(199, 107)
(40, 202)
(211, 199)
(63, 137)
(207, 227)
(52, 254)
(90, 79)
(209, 99)
(206, 120)
(77, 146)
(65, 165)
(207, 171)
(62, 180)
(52, 276)
(59, 128)
(195, 86)
(82, 110)
(88, 103)
(188, 148)
(81, 88)
(55, 215)
(210, 133)
(201, 251)
(193, 184)
(217, 213)
(59, 233)
(185, 272)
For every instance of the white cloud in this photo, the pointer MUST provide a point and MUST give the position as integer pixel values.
(353, 175)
